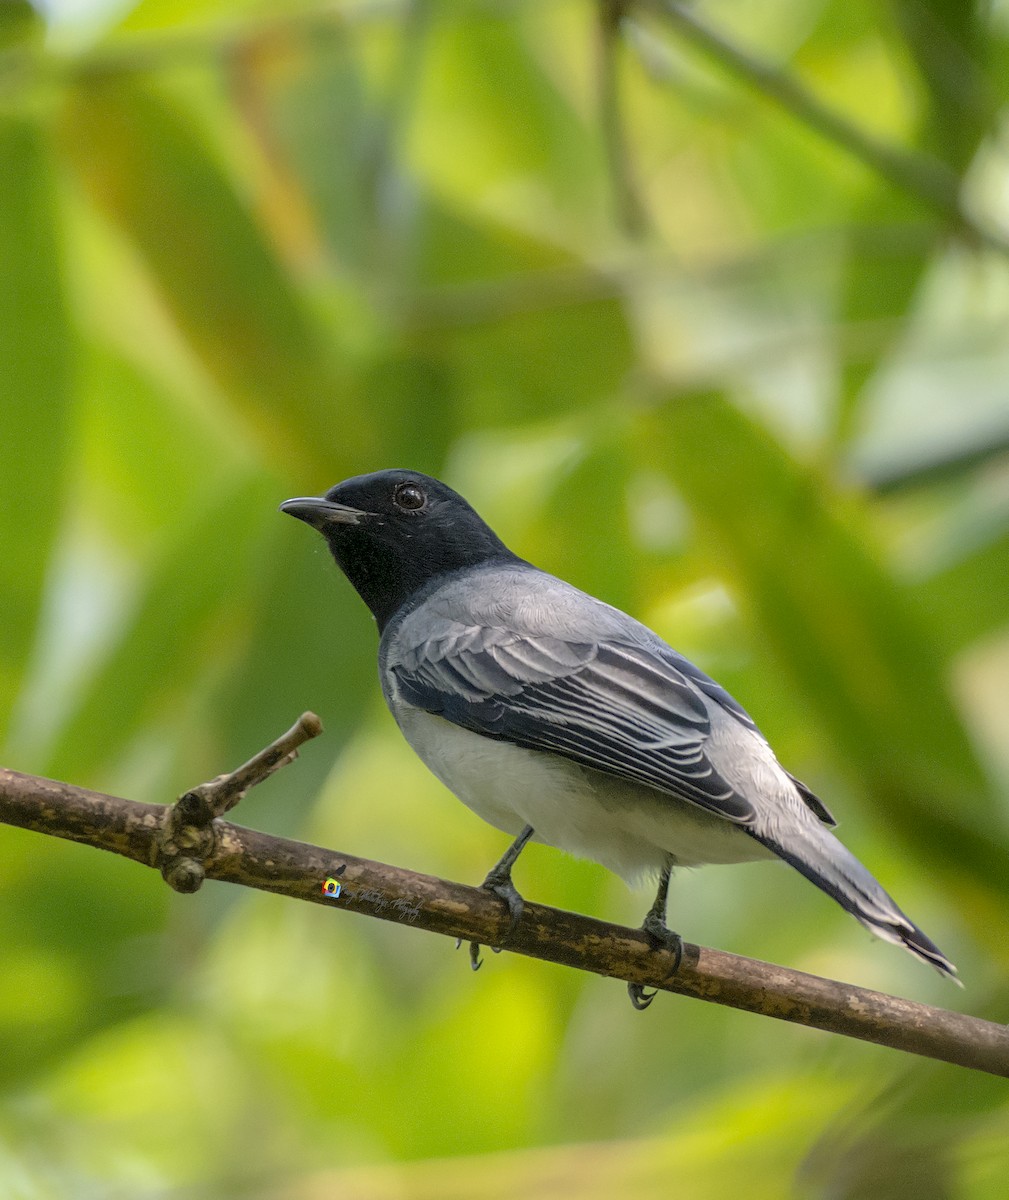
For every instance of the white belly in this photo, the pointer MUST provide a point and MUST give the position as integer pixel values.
(631, 829)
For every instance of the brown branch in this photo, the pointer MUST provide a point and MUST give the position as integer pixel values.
(186, 837)
(149, 834)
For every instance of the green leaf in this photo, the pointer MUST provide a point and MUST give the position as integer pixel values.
(191, 605)
(948, 42)
(327, 104)
(846, 635)
(487, 119)
(35, 392)
(887, 249)
(19, 24)
(311, 644)
(172, 15)
(526, 328)
(137, 440)
(970, 598)
(147, 169)
(569, 534)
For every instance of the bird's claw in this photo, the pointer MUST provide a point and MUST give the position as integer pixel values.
(474, 953)
(502, 887)
(639, 997)
(662, 938)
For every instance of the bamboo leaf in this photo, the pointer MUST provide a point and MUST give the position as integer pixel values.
(36, 351)
(970, 598)
(846, 636)
(185, 615)
(145, 167)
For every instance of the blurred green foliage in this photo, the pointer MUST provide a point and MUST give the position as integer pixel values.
(679, 344)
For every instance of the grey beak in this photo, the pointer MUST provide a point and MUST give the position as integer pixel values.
(318, 512)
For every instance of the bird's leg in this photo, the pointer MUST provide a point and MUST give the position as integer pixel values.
(499, 881)
(660, 935)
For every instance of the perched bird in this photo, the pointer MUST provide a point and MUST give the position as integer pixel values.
(558, 718)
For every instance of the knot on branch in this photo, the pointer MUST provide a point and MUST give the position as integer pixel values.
(187, 840)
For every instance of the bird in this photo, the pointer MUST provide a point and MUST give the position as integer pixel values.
(560, 719)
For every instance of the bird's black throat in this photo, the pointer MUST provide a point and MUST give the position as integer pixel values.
(389, 566)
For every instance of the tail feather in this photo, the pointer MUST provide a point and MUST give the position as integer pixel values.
(823, 860)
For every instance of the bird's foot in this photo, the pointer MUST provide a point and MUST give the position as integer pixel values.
(662, 938)
(499, 884)
(502, 887)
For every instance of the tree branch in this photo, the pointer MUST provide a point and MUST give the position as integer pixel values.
(191, 830)
(919, 174)
(627, 204)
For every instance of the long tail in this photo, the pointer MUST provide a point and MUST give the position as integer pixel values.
(816, 853)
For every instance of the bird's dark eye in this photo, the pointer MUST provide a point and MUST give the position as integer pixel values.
(409, 496)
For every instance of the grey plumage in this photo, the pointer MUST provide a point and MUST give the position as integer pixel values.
(510, 652)
(541, 706)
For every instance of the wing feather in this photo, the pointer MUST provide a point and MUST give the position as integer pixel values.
(620, 708)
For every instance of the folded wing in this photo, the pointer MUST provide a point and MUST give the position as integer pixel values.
(619, 708)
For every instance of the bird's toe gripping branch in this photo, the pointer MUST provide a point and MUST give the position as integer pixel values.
(661, 937)
(187, 840)
(505, 890)
(499, 883)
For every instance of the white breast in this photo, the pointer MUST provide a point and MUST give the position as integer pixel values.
(631, 829)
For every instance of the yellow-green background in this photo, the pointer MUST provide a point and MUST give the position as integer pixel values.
(677, 346)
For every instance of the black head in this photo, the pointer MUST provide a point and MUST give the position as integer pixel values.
(394, 531)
